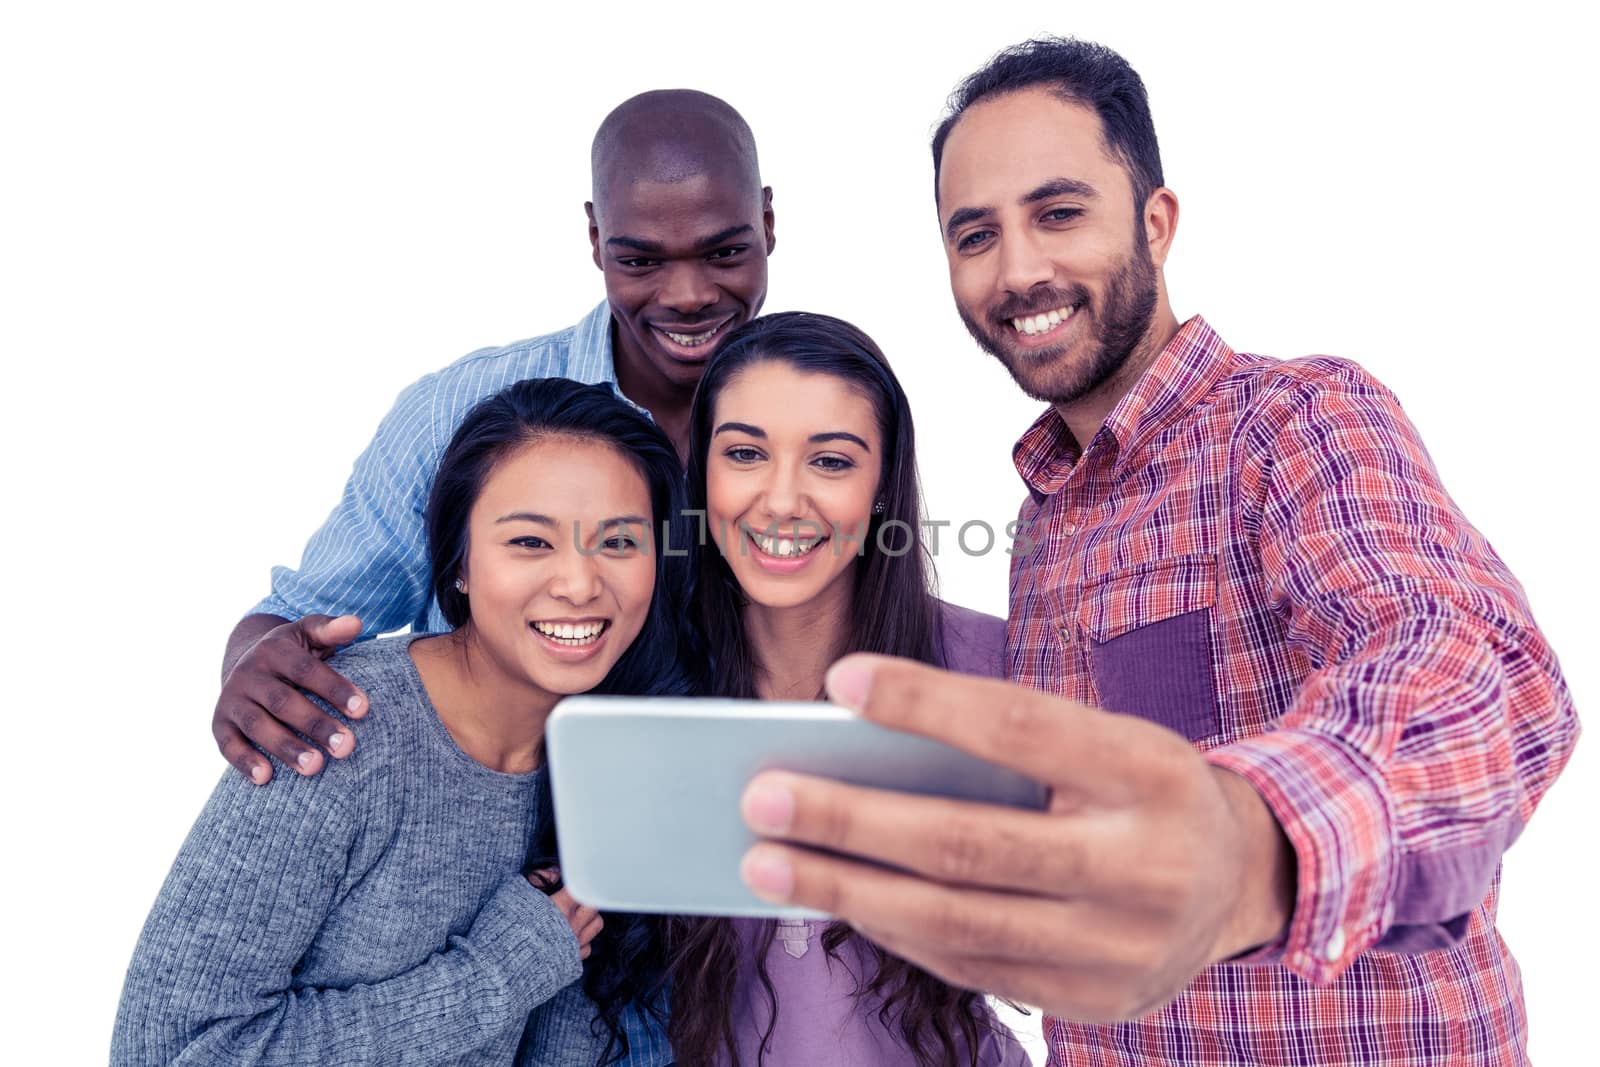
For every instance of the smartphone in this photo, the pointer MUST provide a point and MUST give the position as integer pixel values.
(647, 790)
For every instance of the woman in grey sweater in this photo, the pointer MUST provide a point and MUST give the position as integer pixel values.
(380, 912)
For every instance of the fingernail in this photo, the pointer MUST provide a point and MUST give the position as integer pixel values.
(306, 760)
(354, 705)
(768, 874)
(258, 774)
(768, 807)
(848, 681)
(336, 741)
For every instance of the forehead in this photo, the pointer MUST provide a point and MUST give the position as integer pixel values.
(693, 207)
(564, 477)
(785, 401)
(1003, 147)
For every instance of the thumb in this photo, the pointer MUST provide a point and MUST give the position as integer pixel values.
(326, 634)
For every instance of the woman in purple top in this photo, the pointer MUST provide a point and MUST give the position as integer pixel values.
(801, 455)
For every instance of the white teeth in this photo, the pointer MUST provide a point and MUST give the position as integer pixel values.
(571, 633)
(784, 547)
(1035, 324)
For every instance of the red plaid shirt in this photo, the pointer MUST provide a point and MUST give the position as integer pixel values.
(1259, 554)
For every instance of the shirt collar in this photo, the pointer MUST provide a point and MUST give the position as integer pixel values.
(1179, 378)
(593, 360)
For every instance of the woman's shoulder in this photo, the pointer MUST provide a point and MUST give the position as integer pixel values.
(383, 669)
(974, 642)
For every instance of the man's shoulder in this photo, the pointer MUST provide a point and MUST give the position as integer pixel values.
(1265, 391)
(580, 351)
(1266, 376)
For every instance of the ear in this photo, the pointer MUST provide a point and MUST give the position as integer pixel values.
(594, 232)
(766, 217)
(1160, 223)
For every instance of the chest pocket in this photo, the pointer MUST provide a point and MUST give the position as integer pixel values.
(1148, 631)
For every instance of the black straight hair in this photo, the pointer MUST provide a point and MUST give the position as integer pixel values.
(628, 961)
(1080, 72)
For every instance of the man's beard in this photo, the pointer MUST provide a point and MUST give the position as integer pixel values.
(1129, 306)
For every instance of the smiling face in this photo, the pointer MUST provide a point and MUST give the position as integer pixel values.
(1053, 267)
(685, 262)
(552, 611)
(793, 470)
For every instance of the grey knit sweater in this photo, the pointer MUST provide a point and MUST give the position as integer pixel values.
(374, 913)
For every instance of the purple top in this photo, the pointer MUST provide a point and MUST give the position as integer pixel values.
(820, 1020)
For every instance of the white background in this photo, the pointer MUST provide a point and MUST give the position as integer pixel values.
(228, 237)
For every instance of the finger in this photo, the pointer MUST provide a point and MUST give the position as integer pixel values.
(588, 931)
(241, 753)
(291, 708)
(305, 670)
(548, 881)
(583, 951)
(327, 633)
(564, 903)
(266, 732)
(1057, 741)
(951, 841)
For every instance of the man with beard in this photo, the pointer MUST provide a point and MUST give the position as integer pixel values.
(1290, 705)
(681, 227)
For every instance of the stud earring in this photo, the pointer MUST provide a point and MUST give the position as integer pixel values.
(461, 585)
(878, 507)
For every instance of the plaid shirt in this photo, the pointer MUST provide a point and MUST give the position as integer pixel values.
(1259, 555)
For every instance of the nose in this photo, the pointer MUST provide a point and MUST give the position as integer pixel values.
(1023, 263)
(577, 579)
(688, 288)
(783, 496)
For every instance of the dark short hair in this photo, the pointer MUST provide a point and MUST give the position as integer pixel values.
(1080, 72)
(542, 407)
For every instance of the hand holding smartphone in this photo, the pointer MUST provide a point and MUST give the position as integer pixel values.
(647, 790)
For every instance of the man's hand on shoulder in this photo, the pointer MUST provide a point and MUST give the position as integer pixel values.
(268, 663)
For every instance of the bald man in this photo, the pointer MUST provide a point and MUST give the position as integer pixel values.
(681, 228)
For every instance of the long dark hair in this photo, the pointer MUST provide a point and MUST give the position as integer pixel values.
(627, 963)
(894, 611)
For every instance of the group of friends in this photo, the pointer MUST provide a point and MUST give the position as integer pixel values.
(1290, 707)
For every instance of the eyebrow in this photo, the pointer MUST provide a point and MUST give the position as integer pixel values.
(527, 516)
(816, 438)
(1043, 191)
(624, 520)
(1061, 187)
(704, 244)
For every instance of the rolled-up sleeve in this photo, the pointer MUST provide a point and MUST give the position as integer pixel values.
(1435, 716)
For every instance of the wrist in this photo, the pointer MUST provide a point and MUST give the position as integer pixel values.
(1266, 869)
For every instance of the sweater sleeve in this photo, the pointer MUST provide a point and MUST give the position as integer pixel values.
(213, 977)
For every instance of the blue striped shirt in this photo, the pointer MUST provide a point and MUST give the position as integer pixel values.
(370, 558)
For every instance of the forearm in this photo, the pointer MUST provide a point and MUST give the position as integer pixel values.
(247, 632)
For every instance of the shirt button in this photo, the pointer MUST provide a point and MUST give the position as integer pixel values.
(1334, 948)
(1069, 528)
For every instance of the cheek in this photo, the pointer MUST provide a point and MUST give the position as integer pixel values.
(635, 583)
(726, 500)
(848, 504)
